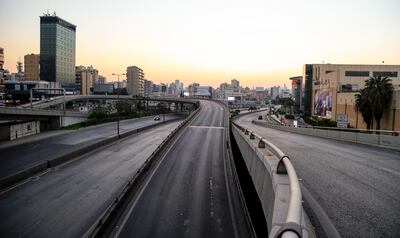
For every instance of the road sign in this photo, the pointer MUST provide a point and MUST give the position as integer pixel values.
(341, 118)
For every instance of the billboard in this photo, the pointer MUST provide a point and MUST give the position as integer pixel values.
(203, 91)
(323, 103)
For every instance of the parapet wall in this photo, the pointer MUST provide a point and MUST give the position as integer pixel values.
(273, 189)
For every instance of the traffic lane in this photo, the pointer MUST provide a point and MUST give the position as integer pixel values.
(67, 201)
(20, 157)
(211, 114)
(356, 185)
(186, 196)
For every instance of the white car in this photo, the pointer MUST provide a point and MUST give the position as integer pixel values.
(156, 118)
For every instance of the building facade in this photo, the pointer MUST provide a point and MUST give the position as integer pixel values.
(135, 81)
(57, 51)
(83, 79)
(275, 92)
(296, 93)
(1, 71)
(101, 80)
(148, 88)
(32, 67)
(329, 90)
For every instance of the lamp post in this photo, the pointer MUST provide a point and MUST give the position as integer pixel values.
(118, 102)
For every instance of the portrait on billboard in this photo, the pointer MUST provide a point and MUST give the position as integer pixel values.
(323, 103)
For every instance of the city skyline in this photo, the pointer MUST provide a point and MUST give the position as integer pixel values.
(261, 43)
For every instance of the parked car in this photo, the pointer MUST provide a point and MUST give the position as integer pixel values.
(156, 118)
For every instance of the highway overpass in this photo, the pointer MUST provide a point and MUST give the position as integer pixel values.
(178, 179)
(349, 187)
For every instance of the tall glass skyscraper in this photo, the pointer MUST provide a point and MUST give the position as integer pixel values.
(57, 51)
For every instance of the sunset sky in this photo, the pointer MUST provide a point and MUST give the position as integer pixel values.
(260, 43)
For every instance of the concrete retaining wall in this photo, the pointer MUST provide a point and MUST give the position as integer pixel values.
(273, 189)
(364, 138)
(66, 121)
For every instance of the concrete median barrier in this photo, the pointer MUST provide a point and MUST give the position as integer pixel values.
(27, 173)
(273, 189)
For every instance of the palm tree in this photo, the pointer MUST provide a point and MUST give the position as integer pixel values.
(363, 105)
(380, 90)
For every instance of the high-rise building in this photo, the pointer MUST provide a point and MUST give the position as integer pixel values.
(1, 70)
(83, 79)
(148, 88)
(275, 92)
(57, 51)
(94, 75)
(32, 67)
(135, 84)
(296, 93)
(101, 80)
(1, 58)
(235, 84)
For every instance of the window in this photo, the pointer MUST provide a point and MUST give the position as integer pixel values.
(385, 74)
(357, 73)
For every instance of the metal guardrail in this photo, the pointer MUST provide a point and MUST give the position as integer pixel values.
(293, 219)
(358, 130)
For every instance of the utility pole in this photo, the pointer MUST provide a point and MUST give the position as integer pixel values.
(118, 103)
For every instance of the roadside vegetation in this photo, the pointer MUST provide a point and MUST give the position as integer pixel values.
(374, 100)
(124, 109)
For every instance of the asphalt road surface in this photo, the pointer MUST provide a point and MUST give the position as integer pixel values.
(187, 195)
(66, 201)
(356, 185)
(20, 157)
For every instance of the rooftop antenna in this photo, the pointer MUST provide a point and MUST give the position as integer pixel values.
(46, 13)
(54, 14)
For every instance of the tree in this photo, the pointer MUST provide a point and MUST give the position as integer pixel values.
(287, 104)
(124, 106)
(363, 105)
(374, 99)
(99, 112)
(380, 91)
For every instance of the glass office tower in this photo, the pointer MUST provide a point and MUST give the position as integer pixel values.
(57, 51)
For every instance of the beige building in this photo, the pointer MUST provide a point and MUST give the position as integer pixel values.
(32, 67)
(83, 79)
(135, 81)
(330, 89)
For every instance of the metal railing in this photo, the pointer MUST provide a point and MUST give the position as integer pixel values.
(357, 130)
(293, 218)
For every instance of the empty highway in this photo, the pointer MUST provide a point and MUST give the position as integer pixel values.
(190, 193)
(67, 200)
(19, 157)
(356, 185)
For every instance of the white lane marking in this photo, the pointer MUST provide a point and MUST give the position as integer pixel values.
(208, 127)
(149, 178)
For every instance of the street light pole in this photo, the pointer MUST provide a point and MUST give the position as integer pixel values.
(118, 103)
